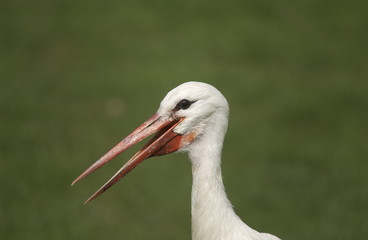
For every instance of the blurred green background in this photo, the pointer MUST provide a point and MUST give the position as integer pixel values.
(77, 76)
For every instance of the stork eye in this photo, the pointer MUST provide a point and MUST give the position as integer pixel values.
(183, 104)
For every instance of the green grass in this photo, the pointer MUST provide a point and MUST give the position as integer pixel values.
(77, 76)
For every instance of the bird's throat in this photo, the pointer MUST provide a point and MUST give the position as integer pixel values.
(211, 209)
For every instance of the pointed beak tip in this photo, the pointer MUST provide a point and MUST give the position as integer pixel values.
(75, 181)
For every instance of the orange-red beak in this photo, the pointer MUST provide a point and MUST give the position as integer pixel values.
(165, 141)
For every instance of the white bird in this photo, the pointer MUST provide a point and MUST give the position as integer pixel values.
(193, 118)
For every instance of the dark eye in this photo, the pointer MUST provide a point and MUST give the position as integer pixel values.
(183, 104)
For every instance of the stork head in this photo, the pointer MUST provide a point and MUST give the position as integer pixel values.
(195, 104)
(185, 114)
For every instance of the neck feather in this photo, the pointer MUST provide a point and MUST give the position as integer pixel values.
(212, 214)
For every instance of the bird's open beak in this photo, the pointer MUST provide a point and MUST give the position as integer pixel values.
(165, 141)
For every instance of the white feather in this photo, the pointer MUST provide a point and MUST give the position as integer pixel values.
(213, 217)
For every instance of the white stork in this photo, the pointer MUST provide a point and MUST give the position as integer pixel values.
(193, 118)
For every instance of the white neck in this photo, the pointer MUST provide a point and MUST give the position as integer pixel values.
(213, 217)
